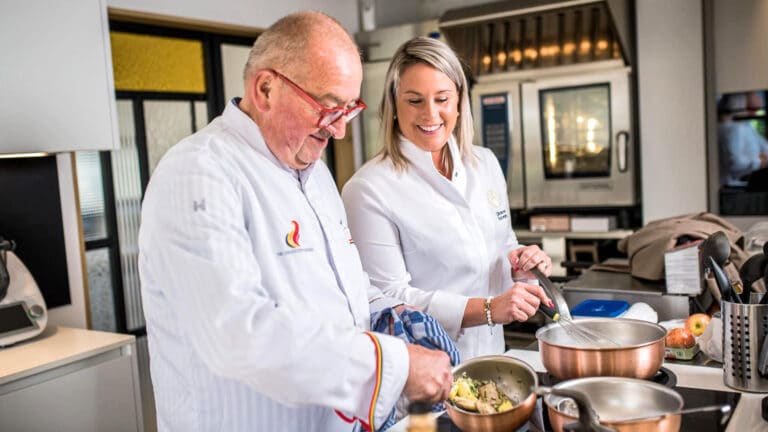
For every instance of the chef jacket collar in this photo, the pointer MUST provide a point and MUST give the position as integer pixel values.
(421, 160)
(249, 131)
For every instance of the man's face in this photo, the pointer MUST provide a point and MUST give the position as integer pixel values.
(292, 130)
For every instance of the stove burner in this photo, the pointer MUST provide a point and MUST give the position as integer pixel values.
(664, 377)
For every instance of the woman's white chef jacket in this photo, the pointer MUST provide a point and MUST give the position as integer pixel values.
(254, 295)
(432, 242)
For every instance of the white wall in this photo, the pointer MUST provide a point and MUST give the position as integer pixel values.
(741, 55)
(670, 68)
(251, 13)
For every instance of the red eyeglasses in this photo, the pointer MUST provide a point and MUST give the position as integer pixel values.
(327, 115)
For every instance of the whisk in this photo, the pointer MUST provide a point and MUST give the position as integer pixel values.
(581, 334)
(578, 333)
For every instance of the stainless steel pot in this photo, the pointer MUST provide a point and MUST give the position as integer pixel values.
(615, 400)
(512, 376)
(639, 354)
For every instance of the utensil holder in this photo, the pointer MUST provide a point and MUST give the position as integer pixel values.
(744, 330)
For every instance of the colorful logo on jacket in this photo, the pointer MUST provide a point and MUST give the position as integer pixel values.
(292, 238)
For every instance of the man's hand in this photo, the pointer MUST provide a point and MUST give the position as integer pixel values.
(518, 303)
(429, 374)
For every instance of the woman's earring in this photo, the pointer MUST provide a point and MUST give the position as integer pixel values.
(394, 117)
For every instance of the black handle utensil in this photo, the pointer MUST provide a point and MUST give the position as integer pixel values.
(726, 290)
(717, 246)
(551, 313)
(552, 292)
(715, 251)
(751, 271)
(764, 300)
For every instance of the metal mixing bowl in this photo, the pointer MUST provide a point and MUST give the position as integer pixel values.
(513, 377)
(616, 398)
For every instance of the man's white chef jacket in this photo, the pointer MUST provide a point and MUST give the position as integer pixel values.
(433, 242)
(254, 295)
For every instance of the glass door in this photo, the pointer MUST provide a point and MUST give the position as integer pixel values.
(576, 136)
(576, 131)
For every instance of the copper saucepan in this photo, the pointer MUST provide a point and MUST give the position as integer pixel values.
(616, 403)
(514, 377)
(639, 353)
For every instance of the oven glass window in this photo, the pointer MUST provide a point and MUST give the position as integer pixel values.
(576, 131)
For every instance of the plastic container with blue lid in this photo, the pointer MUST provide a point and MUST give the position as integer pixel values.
(600, 308)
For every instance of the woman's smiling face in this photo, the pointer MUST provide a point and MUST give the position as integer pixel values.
(427, 105)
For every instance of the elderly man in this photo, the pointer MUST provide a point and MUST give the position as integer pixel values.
(256, 303)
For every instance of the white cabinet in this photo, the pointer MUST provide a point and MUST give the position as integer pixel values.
(56, 85)
(70, 380)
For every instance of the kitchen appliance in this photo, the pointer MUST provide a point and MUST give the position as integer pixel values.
(552, 98)
(563, 135)
(577, 132)
(23, 313)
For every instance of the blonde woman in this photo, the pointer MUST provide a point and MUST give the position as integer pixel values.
(430, 215)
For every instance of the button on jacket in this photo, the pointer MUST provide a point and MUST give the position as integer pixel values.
(254, 295)
(433, 242)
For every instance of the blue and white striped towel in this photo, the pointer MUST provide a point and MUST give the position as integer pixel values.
(416, 327)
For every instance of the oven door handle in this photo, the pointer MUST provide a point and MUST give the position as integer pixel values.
(622, 147)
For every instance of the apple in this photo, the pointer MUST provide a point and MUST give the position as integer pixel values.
(679, 337)
(696, 323)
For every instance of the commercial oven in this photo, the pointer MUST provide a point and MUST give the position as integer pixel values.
(563, 135)
(577, 138)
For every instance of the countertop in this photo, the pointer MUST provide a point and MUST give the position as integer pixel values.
(746, 416)
(55, 346)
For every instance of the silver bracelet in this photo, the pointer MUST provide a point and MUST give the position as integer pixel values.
(488, 312)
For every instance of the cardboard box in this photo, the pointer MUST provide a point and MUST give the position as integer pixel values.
(593, 223)
(543, 223)
(682, 267)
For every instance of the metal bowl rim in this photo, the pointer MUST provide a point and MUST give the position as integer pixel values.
(498, 357)
(504, 359)
(575, 381)
(662, 331)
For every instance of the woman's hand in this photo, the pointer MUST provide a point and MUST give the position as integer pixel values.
(518, 303)
(525, 258)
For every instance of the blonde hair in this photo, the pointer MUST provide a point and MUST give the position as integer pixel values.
(440, 56)
(285, 43)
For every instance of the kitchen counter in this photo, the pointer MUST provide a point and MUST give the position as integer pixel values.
(54, 347)
(605, 285)
(746, 416)
(82, 380)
